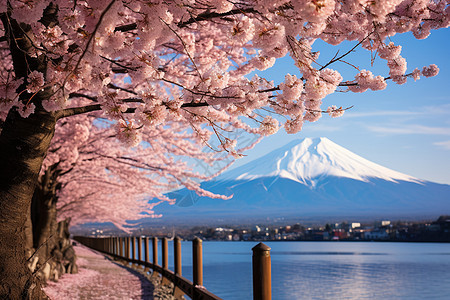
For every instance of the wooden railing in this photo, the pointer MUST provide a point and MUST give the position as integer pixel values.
(124, 248)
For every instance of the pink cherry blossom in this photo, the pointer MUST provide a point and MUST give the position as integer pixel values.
(25, 110)
(35, 81)
(430, 71)
(416, 74)
(268, 126)
(390, 51)
(335, 112)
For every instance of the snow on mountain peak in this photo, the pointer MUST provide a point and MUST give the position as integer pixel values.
(308, 160)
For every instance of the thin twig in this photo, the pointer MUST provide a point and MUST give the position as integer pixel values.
(39, 247)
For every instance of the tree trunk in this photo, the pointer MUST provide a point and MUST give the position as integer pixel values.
(44, 233)
(29, 234)
(66, 248)
(23, 145)
(54, 252)
(32, 259)
(44, 214)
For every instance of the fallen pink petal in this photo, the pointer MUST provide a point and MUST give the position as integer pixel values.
(99, 278)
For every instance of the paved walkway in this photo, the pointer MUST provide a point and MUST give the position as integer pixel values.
(99, 278)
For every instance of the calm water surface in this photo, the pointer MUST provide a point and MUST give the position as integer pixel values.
(327, 270)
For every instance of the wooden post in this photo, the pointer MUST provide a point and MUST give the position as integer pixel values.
(197, 261)
(165, 253)
(146, 252)
(121, 247)
(165, 259)
(197, 266)
(177, 292)
(155, 250)
(155, 255)
(139, 240)
(127, 247)
(262, 285)
(177, 255)
(133, 247)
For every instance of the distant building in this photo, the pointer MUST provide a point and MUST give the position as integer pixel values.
(376, 235)
(220, 229)
(356, 225)
(382, 223)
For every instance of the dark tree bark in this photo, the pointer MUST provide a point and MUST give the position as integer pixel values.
(29, 234)
(54, 252)
(44, 213)
(23, 145)
(65, 246)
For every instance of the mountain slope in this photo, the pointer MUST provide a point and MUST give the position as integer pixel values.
(306, 160)
(312, 178)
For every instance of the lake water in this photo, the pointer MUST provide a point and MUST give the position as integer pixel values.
(327, 270)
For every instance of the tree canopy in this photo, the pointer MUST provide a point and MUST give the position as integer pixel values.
(153, 62)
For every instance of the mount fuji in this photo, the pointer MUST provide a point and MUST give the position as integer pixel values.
(311, 179)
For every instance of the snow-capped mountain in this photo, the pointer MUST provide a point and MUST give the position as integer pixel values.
(310, 178)
(308, 160)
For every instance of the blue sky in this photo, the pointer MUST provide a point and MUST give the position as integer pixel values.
(404, 127)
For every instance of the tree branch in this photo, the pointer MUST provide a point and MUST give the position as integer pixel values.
(125, 28)
(77, 111)
(212, 15)
(201, 17)
(79, 95)
(346, 53)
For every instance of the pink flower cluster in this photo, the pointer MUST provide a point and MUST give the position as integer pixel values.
(335, 112)
(35, 82)
(430, 71)
(365, 80)
(268, 126)
(127, 133)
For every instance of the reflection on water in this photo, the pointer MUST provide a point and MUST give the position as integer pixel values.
(333, 280)
(320, 270)
(328, 270)
(323, 253)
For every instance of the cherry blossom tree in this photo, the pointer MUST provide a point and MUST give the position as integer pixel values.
(149, 63)
(102, 180)
(89, 176)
